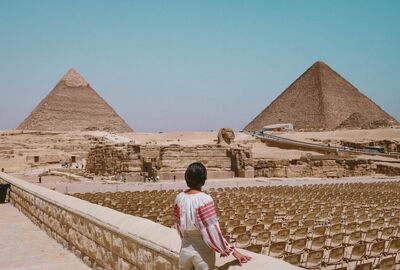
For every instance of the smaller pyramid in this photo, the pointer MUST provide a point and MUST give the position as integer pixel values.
(321, 99)
(74, 105)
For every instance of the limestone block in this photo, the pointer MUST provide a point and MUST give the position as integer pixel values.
(144, 259)
(91, 248)
(107, 239)
(124, 265)
(246, 173)
(129, 250)
(87, 261)
(162, 263)
(100, 255)
(117, 245)
(328, 162)
(72, 236)
(98, 235)
(77, 252)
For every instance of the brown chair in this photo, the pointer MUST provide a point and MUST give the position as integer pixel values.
(365, 225)
(238, 230)
(335, 257)
(300, 233)
(277, 249)
(264, 238)
(249, 223)
(308, 223)
(268, 220)
(275, 227)
(298, 246)
(364, 266)
(317, 243)
(314, 259)
(256, 229)
(243, 240)
(335, 229)
(393, 222)
(379, 223)
(376, 250)
(335, 241)
(393, 247)
(293, 226)
(353, 238)
(386, 233)
(388, 263)
(357, 253)
(282, 235)
(169, 223)
(350, 227)
(318, 231)
(370, 236)
(294, 259)
(254, 248)
(230, 224)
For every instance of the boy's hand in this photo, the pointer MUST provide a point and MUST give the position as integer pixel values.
(240, 257)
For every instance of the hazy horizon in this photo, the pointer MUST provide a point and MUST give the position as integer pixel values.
(180, 66)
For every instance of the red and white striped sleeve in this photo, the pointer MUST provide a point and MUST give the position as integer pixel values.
(211, 233)
(177, 217)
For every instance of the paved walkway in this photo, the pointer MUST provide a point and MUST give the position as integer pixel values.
(93, 186)
(24, 246)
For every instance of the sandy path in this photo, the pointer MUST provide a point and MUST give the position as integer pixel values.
(24, 246)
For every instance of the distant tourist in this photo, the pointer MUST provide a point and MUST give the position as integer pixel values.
(40, 179)
(197, 225)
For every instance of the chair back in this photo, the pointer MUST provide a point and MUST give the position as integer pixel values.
(254, 248)
(388, 263)
(294, 259)
(364, 266)
(277, 249)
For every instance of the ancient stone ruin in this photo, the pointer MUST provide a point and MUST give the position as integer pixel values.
(74, 105)
(321, 99)
(316, 167)
(168, 162)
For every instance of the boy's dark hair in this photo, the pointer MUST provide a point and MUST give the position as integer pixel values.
(196, 175)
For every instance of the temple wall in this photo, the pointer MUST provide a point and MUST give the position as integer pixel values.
(314, 168)
(106, 239)
(168, 162)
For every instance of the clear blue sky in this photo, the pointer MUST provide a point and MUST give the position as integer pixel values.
(193, 65)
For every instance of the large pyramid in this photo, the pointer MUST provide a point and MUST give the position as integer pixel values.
(74, 105)
(320, 99)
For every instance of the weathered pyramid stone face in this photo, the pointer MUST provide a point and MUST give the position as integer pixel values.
(320, 99)
(74, 105)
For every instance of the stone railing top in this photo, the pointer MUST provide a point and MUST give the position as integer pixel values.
(153, 235)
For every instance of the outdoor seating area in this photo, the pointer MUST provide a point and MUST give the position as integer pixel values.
(324, 226)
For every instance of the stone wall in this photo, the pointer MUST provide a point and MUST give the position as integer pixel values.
(314, 168)
(112, 159)
(106, 239)
(167, 162)
(388, 170)
(391, 146)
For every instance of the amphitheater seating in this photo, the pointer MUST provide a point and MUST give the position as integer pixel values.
(341, 226)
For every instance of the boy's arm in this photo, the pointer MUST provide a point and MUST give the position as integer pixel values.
(211, 233)
(177, 217)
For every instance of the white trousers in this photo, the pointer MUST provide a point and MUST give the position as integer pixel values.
(195, 254)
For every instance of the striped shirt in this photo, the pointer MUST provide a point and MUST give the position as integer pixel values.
(197, 212)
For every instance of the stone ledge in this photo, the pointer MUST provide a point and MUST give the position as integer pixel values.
(107, 239)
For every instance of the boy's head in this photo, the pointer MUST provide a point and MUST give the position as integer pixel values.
(196, 175)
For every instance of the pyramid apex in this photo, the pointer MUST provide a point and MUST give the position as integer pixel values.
(73, 79)
(319, 64)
